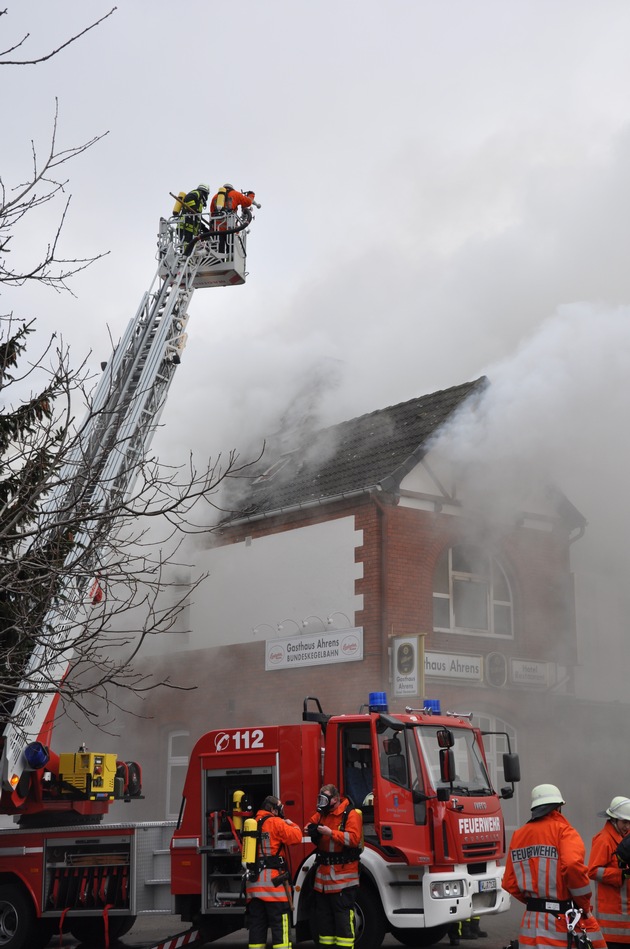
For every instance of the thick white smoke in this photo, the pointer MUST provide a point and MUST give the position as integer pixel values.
(556, 413)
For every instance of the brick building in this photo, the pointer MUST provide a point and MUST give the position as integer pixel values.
(354, 565)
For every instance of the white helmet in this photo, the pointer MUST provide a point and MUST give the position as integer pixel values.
(229, 187)
(619, 808)
(546, 794)
(203, 187)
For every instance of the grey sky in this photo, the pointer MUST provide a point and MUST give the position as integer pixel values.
(441, 182)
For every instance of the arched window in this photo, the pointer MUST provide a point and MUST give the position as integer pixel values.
(471, 593)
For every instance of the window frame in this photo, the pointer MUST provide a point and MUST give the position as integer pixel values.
(460, 576)
(172, 762)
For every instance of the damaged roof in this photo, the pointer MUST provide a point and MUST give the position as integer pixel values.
(379, 448)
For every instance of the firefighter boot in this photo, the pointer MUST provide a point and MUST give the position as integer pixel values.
(467, 931)
(453, 934)
(474, 927)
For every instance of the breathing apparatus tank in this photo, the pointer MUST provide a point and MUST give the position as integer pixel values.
(221, 201)
(177, 207)
(250, 847)
(237, 810)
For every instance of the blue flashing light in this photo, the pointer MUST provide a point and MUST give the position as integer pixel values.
(433, 706)
(36, 755)
(377, 702)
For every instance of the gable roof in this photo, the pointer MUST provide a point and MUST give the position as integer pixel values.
(377, 449)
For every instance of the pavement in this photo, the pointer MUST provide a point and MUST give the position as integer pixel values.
(149, 930)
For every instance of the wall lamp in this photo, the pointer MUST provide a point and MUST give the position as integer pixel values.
(262, 626)
(329, 618)
(305, 622)
(280, 626)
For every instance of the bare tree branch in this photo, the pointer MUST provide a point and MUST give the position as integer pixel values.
(42, 59)
(114, 572)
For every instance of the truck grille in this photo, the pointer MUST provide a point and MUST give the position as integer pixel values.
(481, 851)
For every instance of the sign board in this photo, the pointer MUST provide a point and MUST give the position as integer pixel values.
(450, 666)
(315, 649)
(529, 672)
(405, 665)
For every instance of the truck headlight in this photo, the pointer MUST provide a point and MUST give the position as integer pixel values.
(447, 889)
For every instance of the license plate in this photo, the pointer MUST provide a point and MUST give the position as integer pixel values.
(485, 885)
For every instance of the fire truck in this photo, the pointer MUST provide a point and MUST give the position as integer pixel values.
(60, 869)
(433, 828)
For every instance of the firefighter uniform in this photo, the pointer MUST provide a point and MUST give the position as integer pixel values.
(337, 875)
(233, 199)
(545, 869)
(611, 903)
(190, 223)
(268, 905)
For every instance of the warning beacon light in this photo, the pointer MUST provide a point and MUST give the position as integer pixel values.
(36, 755)
(377, 702)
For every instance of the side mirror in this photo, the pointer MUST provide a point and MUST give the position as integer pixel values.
(445, 738)
(511, 768)
(392, 746)
(447, 765)
(506, 793)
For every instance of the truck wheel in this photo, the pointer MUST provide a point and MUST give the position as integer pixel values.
(369, 921)
(17, 917)
(420, 937)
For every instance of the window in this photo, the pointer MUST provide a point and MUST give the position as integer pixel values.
(176, 767)
(471, 593)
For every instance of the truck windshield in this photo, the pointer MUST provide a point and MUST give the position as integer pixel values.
(471, 776)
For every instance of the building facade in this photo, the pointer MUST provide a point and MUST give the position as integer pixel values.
(354, 564)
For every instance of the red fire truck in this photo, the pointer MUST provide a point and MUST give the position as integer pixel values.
(434, 832)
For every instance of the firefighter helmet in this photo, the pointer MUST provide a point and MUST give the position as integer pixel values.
(546, 795)
(619, 808)
(203, 187)
(228, 186)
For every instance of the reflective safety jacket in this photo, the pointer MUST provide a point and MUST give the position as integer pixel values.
(275, 834)
(333, 876)
(193, 202)
(233, 200)
(545, 868)
(611, 902)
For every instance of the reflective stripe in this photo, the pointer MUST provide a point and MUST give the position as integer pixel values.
(286, 939)
(580, 890)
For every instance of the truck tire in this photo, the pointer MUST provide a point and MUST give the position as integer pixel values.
(91, 929)
(17, 918)
(369, 920)
(420, 937)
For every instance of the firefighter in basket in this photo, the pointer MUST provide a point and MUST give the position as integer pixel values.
(267, 878)
(190, 225)
(545, 870)
(223, 208)
(337, 832)
(611, 874)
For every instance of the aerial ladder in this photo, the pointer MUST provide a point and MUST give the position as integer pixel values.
(99, 475)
